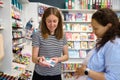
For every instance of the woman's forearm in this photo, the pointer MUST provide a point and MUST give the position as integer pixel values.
(35, 57)
(96, 75)
(35, 60)
(63, 58)
(65, 54)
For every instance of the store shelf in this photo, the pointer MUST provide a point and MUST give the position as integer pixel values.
(68, 71)
(17, 69)
(74, 60)
(79, 36)
(79, 10)
(77, 22)
(79, 31)
(117, 10)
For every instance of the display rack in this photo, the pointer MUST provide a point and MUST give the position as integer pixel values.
(17, 30)
(68, 66)
(77, 26)
(20, 62)
(80, 39)
(6, 21)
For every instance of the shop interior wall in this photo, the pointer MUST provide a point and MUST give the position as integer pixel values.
(5, 15)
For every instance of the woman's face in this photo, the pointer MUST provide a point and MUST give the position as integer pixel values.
(98, 29)
(52, 23)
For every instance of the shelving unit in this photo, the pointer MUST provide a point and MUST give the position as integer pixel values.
(20, 62)
(77, 22)
(17, 30)
(80, 39)
(7, 30)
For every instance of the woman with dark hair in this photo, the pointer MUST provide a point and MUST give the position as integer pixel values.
(49, 46)
(104, 62)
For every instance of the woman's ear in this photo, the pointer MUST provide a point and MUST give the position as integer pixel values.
(109, 24)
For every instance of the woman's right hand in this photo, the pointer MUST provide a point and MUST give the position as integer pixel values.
(42, 62)
(80, 71)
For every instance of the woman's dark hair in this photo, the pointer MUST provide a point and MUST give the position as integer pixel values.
(104, 16)
(59, 30)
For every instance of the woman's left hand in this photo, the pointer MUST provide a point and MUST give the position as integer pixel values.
(55, 59)
(80, 71)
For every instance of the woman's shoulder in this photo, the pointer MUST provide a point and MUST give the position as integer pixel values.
(38, 33)
(113, 43)
(117, 41)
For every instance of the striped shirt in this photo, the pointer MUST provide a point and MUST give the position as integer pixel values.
(107, 60)
(50, 47)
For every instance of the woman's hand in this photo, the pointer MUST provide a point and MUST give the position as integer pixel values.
(80, 71)
(42, 62)
(55, 59)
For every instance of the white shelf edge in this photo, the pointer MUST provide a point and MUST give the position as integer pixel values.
(85, 10)
(1, 28)
(78, 31)
(77, 49)
(76, 21)
(73, 62)
(79, 10)
(116, 10)
(64, 71)
(83, 40)
(1, 5)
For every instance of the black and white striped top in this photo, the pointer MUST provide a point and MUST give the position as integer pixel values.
(50, 47)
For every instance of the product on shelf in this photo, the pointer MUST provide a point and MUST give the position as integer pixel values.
(19, 58)
(25, 75)
(1, 3)
(4, 76)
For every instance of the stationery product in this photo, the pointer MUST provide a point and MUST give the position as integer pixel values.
(50, 62)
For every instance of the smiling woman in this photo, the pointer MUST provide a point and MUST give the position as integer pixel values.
(1, 48)
(49, 46)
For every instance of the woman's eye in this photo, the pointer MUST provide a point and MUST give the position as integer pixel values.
(94, 28)
(48, 21)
